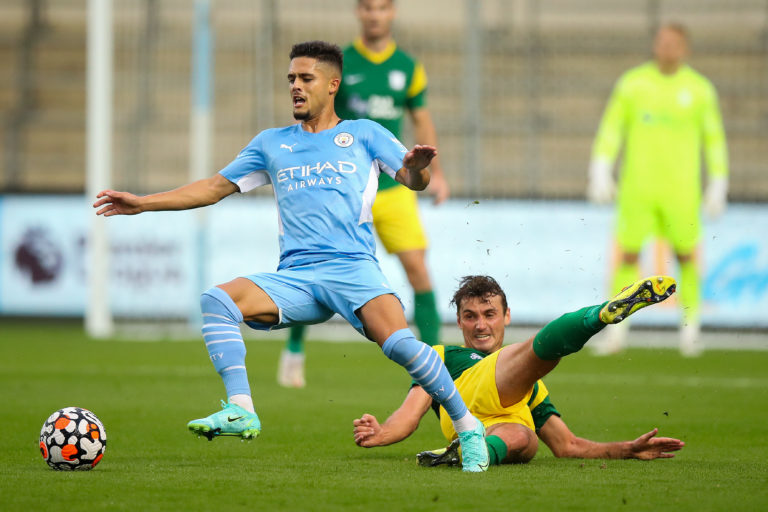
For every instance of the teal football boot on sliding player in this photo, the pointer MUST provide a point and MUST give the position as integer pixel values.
(638, 295)
(232, 420)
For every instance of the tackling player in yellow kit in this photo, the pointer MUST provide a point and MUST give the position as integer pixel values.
(664, 113)
(502, 384)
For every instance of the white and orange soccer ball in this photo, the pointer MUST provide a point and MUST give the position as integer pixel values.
(72, 438)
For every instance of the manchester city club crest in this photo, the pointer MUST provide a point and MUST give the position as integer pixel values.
(343, 139)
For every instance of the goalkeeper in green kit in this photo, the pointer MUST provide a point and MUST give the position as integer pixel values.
(666, 116)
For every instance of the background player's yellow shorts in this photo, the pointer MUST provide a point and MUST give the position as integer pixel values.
(477, 386)
(396, 219)
(638, 218)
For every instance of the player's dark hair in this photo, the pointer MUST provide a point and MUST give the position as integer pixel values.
(482, 287)
(320, 50)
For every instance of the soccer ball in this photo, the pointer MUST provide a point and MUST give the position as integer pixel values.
(72, 438)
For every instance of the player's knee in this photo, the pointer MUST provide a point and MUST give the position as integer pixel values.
(522, 446)
(216, 301)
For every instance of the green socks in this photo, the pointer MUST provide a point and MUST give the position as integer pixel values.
(690, 297)
(497, 449)
(569, 333)
(295, 343)
(426, 317)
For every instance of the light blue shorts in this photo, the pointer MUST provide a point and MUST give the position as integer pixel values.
(310, 294)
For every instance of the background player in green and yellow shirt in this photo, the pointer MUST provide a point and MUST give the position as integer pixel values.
(381, 82)
(665, 115)
(502, 386)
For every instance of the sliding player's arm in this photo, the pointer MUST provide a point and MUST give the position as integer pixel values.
(402, 423)
(563, 443)
(193, 195)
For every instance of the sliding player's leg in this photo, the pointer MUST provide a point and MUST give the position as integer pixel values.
(511, 443)
(510, 428)
(520, 366)
(508, 443)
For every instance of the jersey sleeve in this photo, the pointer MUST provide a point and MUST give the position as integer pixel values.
(540, 406)
(249, 169)
(610, 134)
(713, 135)
(416, 95)
(384, 149)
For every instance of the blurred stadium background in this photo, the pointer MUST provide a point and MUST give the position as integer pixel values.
(516, 88)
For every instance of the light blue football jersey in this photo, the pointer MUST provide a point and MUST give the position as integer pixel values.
(325, 184)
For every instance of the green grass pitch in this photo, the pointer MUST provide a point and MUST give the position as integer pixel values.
(145, 392)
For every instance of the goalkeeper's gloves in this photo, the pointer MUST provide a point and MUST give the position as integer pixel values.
(600, 186)
(715, 196)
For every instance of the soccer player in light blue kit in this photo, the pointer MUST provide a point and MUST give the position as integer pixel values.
(324, 172)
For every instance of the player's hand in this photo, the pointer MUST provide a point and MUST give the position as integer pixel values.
(438, 188)
(600, 185)
(715, 197)
(419, 157)
(368, 432)
(117, 203)
(649, 447)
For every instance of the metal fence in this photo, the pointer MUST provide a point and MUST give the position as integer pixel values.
(516, 87)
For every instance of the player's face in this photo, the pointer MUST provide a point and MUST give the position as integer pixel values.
(312, 85)
(482, 323)
(376, 17)
(670, 48)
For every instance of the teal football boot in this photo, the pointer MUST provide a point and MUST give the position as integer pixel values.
(232, 420)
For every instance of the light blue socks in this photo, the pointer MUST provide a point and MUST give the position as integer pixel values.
(425, 367)
(221, 332)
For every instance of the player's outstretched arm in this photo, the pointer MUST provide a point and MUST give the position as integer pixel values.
(402, 423)
(563, 443)
(194, 195)
(414, 173)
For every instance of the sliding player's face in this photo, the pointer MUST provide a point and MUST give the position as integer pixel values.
(670, 48)
(313, 85)
(482, 322)
(376, 17)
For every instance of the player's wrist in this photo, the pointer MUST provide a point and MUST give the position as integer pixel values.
(627, 450)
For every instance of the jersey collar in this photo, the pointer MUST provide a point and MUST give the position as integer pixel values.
(374, 57)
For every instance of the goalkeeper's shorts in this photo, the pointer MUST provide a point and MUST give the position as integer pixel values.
(640, 217)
